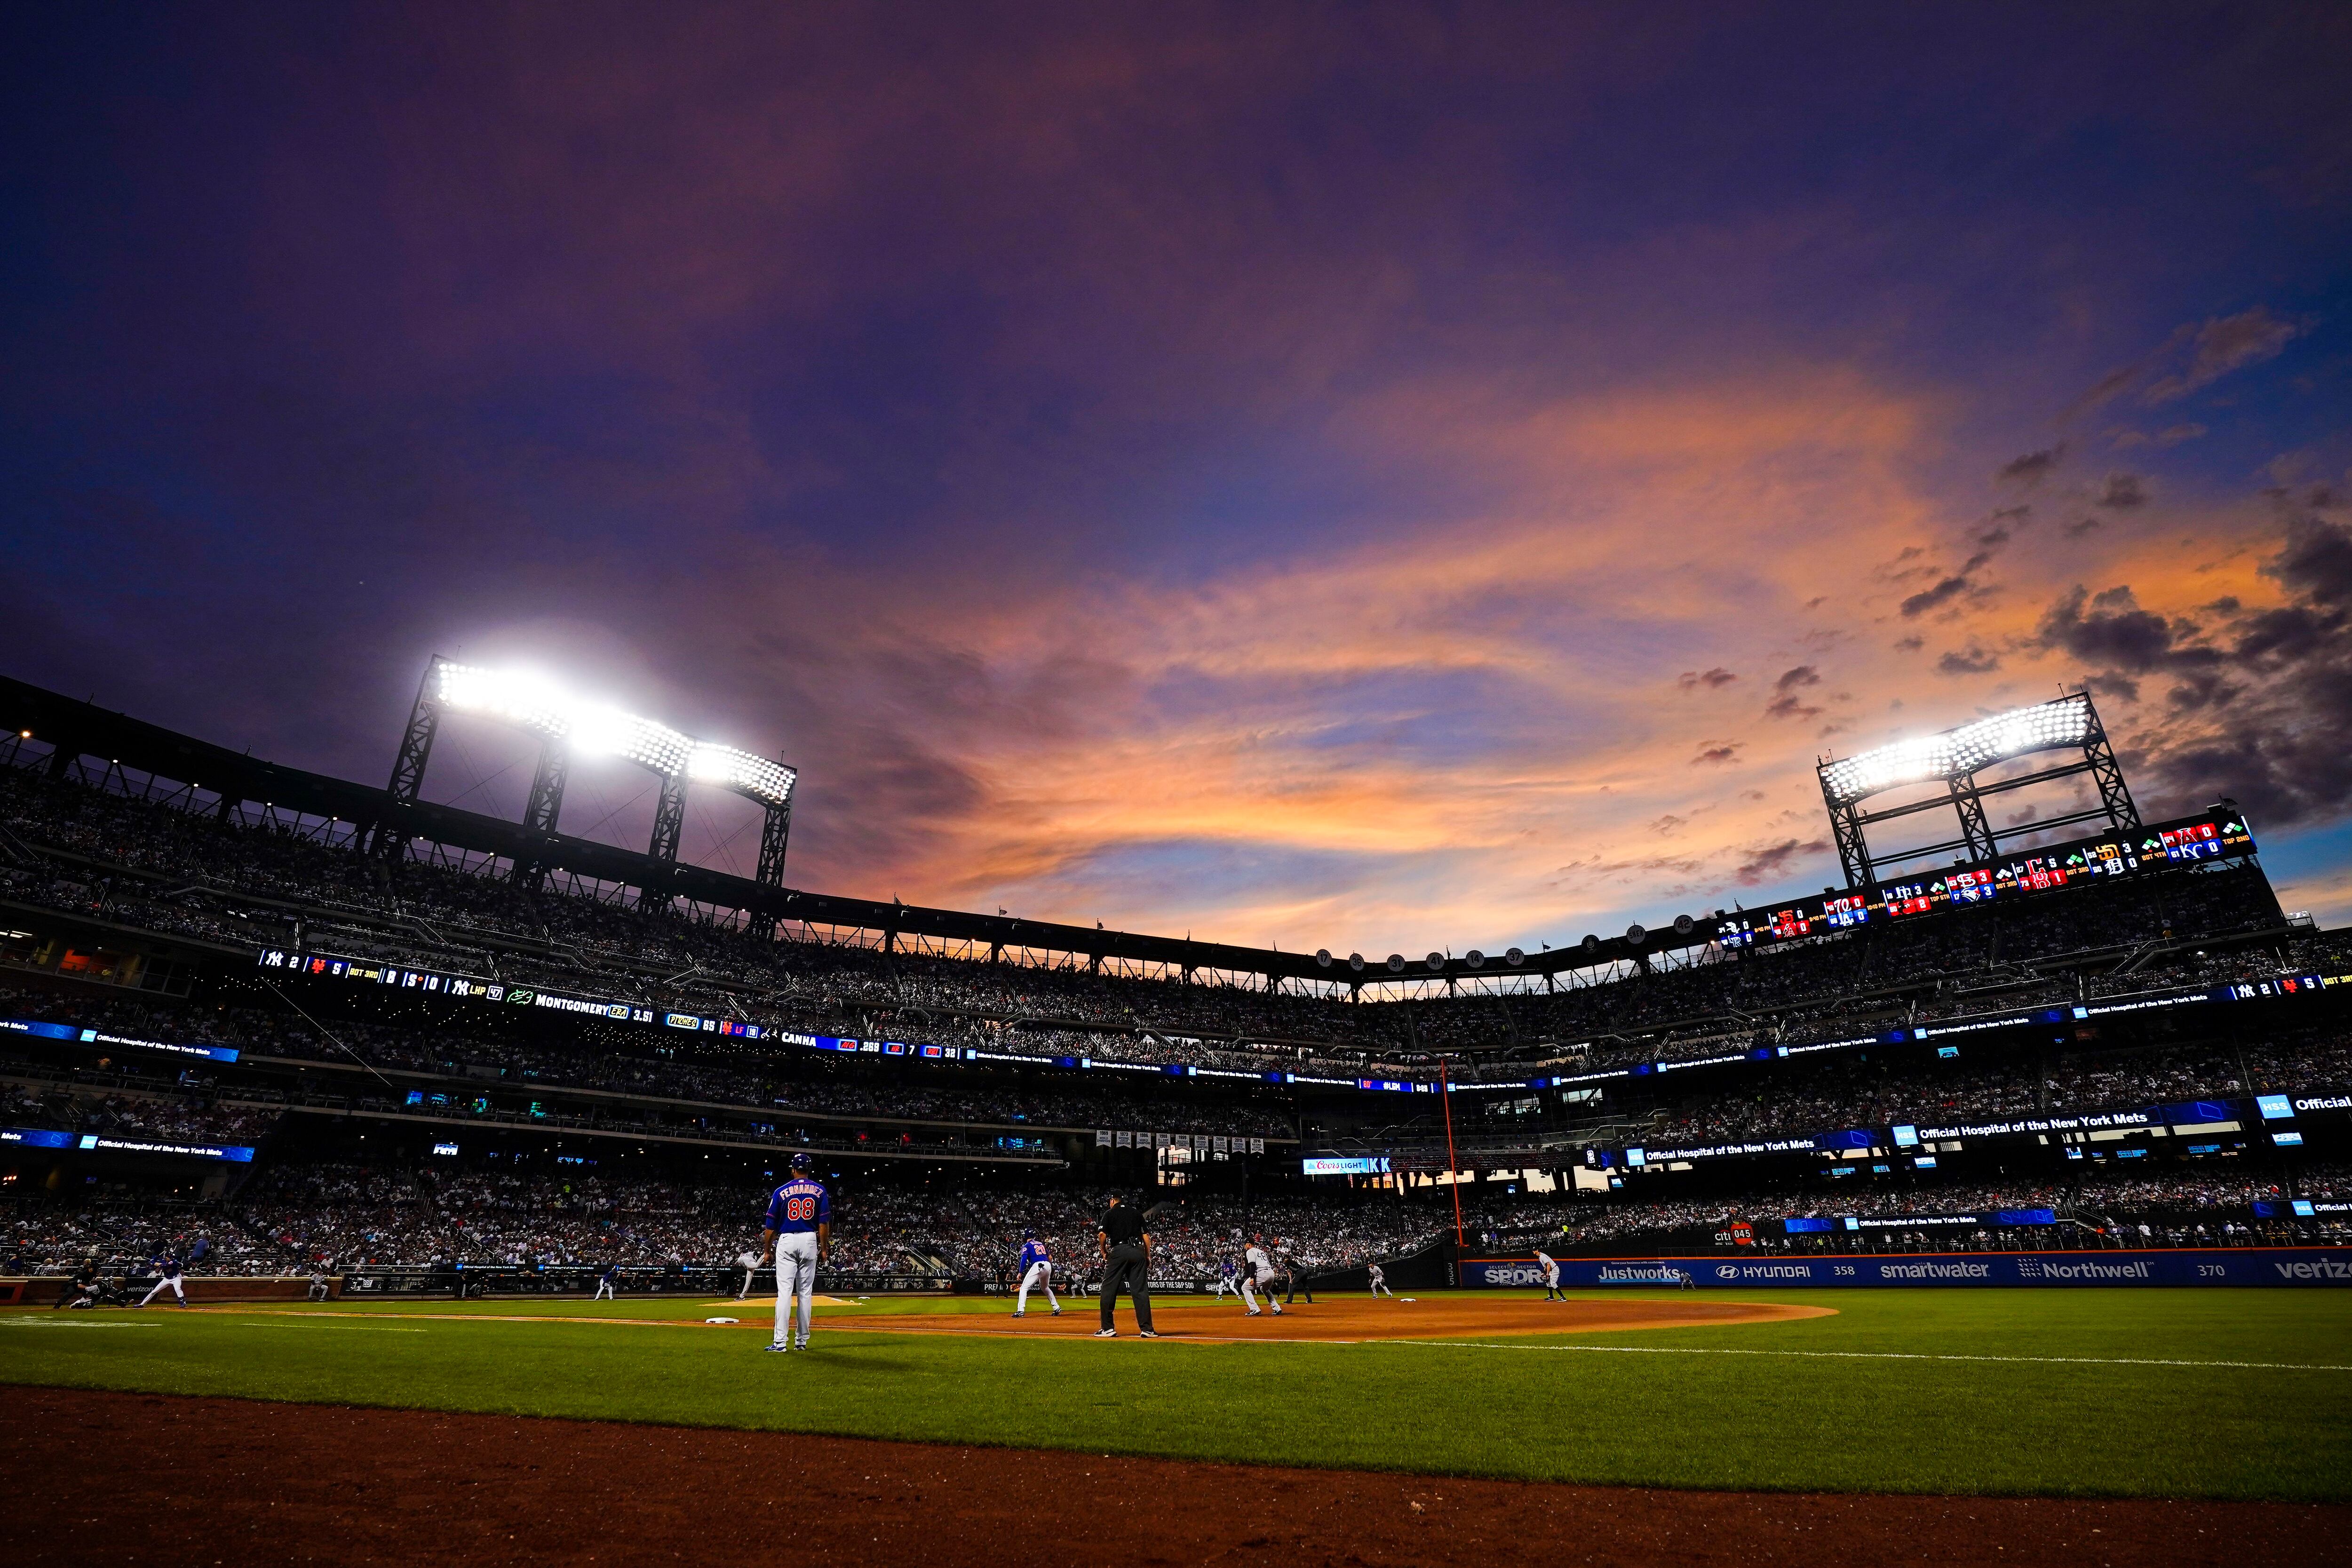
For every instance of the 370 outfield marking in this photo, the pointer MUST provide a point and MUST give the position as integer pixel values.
(1882, 1355)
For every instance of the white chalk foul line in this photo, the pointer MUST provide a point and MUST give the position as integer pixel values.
(1879, 1356)
(69, 1323)
(339, 1328)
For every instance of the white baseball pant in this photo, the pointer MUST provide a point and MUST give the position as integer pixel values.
(1041, 1277)
(795, 1279)
(168, 1282)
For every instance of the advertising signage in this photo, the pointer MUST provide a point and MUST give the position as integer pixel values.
(2212, 836)
(108, 1143)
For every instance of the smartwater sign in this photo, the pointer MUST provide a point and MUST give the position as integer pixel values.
(2216, 1266)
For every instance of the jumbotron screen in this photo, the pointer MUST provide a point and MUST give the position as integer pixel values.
(2211, 836)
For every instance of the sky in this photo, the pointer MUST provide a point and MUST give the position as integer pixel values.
(1367, 477)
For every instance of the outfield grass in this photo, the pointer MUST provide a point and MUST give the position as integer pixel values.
(2206, 1393)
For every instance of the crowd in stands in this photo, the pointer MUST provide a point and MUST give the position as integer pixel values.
(294, 1218)
(301, 1218)
(1864, 1096)
(749, 1080)
(176, 1119)
(2174, 1210)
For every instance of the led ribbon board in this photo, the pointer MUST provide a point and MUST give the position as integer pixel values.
(2213, 835)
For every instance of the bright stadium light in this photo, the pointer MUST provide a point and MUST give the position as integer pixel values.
(527, 701)
(769, 782)
(1956, 753)
(598, 729)
(608, 731)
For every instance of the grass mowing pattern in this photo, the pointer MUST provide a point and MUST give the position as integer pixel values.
(2107, 1423)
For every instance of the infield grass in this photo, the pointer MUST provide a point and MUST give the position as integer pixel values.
(2183, 1394)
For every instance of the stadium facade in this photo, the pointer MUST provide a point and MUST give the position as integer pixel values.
(324, 1023)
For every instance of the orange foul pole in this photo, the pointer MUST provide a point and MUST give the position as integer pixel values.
(1453, 1171)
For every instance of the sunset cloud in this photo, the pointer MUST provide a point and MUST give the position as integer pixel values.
(1362, 482)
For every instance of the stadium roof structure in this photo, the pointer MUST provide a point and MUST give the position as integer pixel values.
(74, 728)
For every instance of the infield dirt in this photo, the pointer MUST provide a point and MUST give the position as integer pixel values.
(126, 1477)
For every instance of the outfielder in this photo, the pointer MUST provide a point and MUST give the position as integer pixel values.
(1037, 1269)
(798, 1235)
(1550, 1275)
(1380, 1283)
(1258, 1271)
(167, 1269)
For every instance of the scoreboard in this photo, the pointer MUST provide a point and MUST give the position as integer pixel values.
(2212, 836)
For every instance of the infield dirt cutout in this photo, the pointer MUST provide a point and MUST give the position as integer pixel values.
(1350, 1322)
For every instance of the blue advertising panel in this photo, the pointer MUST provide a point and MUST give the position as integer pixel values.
(108, 1143)
(2200, 1266)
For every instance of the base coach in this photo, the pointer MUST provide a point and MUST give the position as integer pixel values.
(1126, 1249)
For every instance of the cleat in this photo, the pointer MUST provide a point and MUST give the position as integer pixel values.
(1149, 1334)
(1057, 1311)
(1105, 1333)
(775, 1350)
(1024, 1314)
(1254, 1312)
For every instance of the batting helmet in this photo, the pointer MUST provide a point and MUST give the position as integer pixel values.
(802, 1160)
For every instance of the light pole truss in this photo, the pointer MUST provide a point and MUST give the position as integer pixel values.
(569, 728)
(1954, 758)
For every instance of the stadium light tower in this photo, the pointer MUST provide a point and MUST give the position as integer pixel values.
(569, 726)
(1952, 759)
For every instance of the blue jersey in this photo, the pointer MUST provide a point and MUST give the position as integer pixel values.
(798, 1207)
(1032, 1252)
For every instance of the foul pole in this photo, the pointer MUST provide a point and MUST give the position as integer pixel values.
(1453, 1171)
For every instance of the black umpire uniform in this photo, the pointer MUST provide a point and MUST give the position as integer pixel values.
(1126, 1265)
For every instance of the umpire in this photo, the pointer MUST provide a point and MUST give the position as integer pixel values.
(1126, 1249)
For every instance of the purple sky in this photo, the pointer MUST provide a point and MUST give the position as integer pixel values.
(1372, 478)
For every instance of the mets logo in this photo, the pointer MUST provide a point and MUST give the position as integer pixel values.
(1726, 1271)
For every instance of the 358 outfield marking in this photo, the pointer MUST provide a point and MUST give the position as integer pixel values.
(1882, 1355)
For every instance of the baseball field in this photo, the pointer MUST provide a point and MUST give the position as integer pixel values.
(2210, 1400)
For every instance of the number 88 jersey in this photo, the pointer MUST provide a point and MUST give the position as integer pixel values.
(799, 1206)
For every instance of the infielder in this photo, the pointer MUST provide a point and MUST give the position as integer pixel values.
(799, 1234)
(1257, 1270)
(1551, 1276)
(604, 1284)
(167, 1268)
(1037, 1269)
(1380, 1283)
